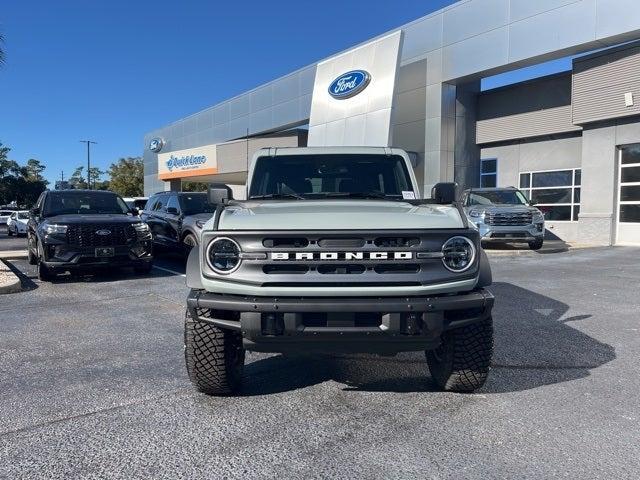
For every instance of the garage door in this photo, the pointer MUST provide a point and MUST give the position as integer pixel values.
(628, 212)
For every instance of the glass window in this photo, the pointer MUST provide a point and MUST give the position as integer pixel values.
(173, 202)
(83, 203)
(488, 172)
(488, 181)
(160, 203)
(193, 203)
(630, 174)
(559, 178)
(23, 215)
(557, 212)
(576, 212)
(630, 193)
(630, 155)
(498, 197)
(630, 213)
(331, 175)
(551, 195)
(489, 165)
(556, 193)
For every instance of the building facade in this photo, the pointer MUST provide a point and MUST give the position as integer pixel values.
(570, 141)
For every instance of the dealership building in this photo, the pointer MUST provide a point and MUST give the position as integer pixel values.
(570, 141)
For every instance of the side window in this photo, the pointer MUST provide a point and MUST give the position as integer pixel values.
(160, 203)
(40, 201)
(149, 206)
(173, 202)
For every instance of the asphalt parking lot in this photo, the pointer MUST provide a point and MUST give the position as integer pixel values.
(92, 384)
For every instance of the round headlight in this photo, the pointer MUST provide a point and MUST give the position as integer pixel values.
(459, 254)
(223, 255)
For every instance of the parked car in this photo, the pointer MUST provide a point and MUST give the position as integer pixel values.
(17, 223)
(504, 215)
(83, 229)
(334, 252)
(4, 216)
(136, 202)
(176, 218)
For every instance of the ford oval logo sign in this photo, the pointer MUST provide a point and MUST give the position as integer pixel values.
(349, 84)
(156, 144)
(103, 232)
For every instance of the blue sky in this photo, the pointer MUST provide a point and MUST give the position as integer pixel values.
(111, 70)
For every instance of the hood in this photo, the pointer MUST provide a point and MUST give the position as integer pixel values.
(200, 216)
(502, 207)
(338, 215)
(75, 218)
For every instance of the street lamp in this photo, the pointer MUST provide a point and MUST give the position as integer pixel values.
(88, 142)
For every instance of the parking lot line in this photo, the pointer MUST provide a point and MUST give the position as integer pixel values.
(170, 271)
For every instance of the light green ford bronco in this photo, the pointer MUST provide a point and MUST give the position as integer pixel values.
(333, 251)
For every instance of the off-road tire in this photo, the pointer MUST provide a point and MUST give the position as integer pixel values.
(44, 274)
(461, 363)
(536, 244)
(31, 258)
(214, 357)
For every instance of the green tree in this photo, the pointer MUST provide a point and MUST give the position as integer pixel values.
(77, 180)
(34, 169)
(17, 185)
(127, 177)
(194, 186)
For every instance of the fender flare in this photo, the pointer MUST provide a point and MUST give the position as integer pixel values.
(485, 277)
(193, 278)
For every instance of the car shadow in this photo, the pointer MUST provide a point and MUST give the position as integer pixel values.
(535, 345)
(106, 275)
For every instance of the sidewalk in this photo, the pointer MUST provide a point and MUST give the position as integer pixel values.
(9, 281)
(8, 254)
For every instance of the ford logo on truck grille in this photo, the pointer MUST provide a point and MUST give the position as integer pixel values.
(342, 256)
(104, 232)
(349, 84)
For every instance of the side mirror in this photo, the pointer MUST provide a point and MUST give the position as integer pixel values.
(219, 193)
(135, 212)
(444, 192)
(172, 210)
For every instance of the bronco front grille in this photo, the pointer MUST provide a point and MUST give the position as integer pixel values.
(86, 235)
(508, 219)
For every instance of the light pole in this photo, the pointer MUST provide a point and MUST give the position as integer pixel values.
(88, 142)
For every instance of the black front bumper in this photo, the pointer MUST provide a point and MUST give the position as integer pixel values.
(344, 324)
(61, 256)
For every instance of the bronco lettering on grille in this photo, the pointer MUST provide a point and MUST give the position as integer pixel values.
(342, 256)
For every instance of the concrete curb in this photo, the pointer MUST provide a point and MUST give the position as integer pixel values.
(8, 254)
(9, 281)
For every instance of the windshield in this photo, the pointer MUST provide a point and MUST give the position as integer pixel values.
(196, 203)
(502, 197)
(340, 175)
(83, 203)
(23, 215)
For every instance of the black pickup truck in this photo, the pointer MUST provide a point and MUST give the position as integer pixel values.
(84, 229)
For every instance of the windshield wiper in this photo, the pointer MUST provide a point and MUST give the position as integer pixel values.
(277, 196)
(372, 194)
